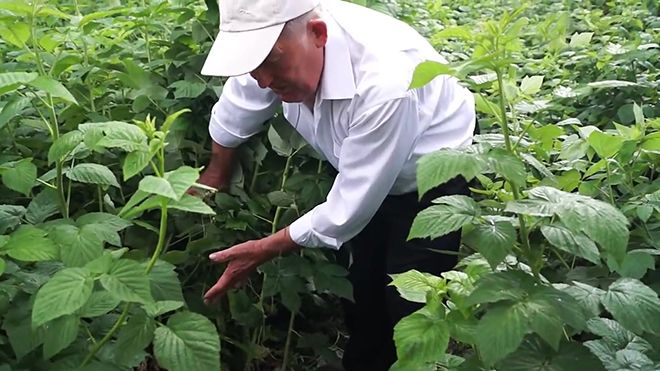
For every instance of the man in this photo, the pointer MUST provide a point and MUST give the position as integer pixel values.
(341, 73)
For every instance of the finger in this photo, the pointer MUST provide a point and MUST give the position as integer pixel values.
(219, 289)
(228, 254)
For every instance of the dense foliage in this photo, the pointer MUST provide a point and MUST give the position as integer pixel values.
(103, 255)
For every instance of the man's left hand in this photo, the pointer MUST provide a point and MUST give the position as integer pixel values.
(244, 258)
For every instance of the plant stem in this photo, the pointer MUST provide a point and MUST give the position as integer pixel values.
(287, 344)
(100, 194)
(107, 336)
(514, 187)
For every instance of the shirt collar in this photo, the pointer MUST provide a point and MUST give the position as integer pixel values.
(337, 81)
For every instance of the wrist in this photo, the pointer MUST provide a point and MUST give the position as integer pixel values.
(280, 243)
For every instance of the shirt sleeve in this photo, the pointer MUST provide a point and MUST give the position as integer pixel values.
(378, 144)
(241, 111)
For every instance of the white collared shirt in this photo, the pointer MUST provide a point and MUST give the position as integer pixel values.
(366, 122)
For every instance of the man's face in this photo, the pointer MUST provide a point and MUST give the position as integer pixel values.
(294, 66)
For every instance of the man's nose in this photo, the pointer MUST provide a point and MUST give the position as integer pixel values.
(263, 79)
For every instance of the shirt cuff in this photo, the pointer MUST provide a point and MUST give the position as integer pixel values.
(223, 136)
(302, 233)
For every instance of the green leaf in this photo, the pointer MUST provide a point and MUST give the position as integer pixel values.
(422, 336)
(187, 89)
(126, 281)
(59, 334)
(20, 176)
(165, 283)
(182, 179)
(65, 293)
(116, 130)
(579, 40)
(508, 165)
(10, 217)
(426, 71)
(414, 285)
(3, 265)
(110, 221)
(494, 241)
(453, 213)
(44, 205)
(610, 84)
(78, 246)
(589, 297)
(30, 244)
(161, 307)
(544, 320)
(191, 204)
(11, 80)
(12, 109)
(53, 87)
(636, 264)
(134, 163)
(616, 335)
(169, 121)
(189, 342)
(135, 336)
(501, 331)
(585, 214)
(531, 85)
(534, 355)
(439, 167)
(93, 174)
(634, 305)
(155, 185)
(507, 285)
(280, 198)
(64, 145)
(99, 303)
(605, 145)
(575, 243)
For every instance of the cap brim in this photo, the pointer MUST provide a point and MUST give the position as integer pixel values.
(237, 53)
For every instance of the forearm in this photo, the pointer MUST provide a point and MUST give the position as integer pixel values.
(219, 171)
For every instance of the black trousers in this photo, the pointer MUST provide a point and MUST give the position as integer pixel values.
(381, 249)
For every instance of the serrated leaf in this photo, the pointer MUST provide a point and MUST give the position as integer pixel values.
(134, 163)
(414, 285)
(30, 244)
(189, 342)
(20, 176)
(426, 71)
(531, 85)
(605, 145)
(588, 296)
(575, 243)
(187, 89)
(136, 335)
(438, 220)
(116, 130)
(507, 285)
(59, 334)
(439, 167)
(64, 145)
(165, 283)
(155, 185)
(78, 246)
(535, 355)
(93, 174)
(616, 335)
(634, 305)
(11, 80)
(126, 281)
(44, 205)
(507, 165)
(109, 221)
(422, 336)
(182, 179)
(10, 216)
(161, 307)
(191, 204)
(501, 331)
(53, 87)
(67, 291)
(99, 303)
(494, 241)
(280, 198)
(636, 264)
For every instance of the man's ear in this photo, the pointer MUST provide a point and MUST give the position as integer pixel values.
(319, 32)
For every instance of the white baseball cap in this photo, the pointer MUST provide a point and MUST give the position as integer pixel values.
(248, 32)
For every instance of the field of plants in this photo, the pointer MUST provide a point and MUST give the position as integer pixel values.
(104, 254)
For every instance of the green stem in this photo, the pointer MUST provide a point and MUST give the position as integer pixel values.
(609, 185)
(154, 258)
(514, 187)
(287, 344)
(100, 194)
(106, 338)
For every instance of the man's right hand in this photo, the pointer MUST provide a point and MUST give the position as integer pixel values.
(219, 171)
